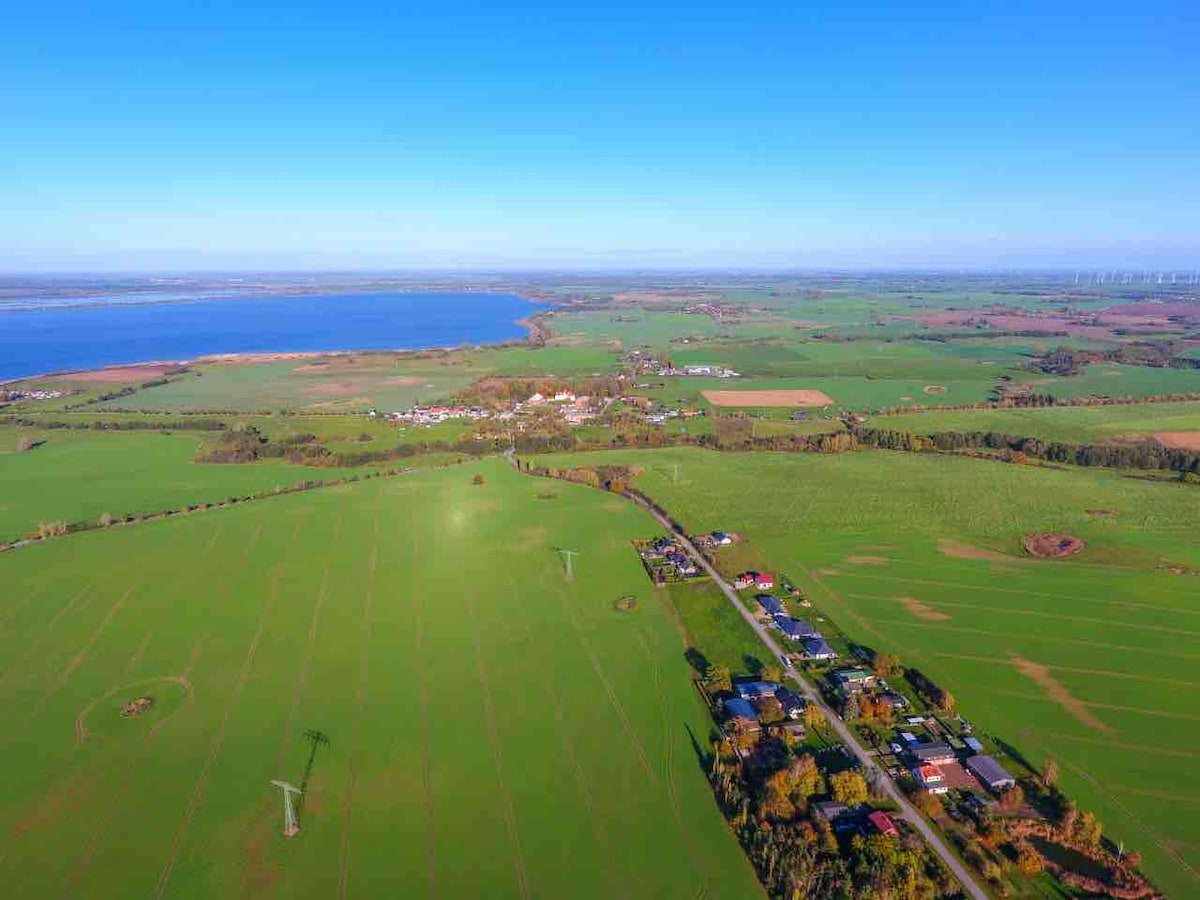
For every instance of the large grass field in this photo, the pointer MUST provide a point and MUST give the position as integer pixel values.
(1081, 424)
(494, 731)
(869, 533)
(77, 476)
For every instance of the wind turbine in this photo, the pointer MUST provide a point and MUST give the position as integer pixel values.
(291, 825)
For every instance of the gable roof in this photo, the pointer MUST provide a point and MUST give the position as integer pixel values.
(740, 709)
(795, 628)
(988, 770)
(756, 688)
(769, 603)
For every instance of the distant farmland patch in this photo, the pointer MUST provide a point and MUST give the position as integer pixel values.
(1179, 440)
(768, 398)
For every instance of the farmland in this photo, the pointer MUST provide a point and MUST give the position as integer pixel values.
(1086, 661)
(470, 696)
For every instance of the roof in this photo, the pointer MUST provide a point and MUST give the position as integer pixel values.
(933, 750)
(929, 773)
(769, 603)
(756, 688)
(988, 770)
(973, 743)
(740, 709)
(882, 821)
(795, 628)
(830, 809)
(814, 646)
(764, 578)
(853, 675)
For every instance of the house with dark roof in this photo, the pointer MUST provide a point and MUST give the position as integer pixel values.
(934, 753)
(770, 604)
(756, 690)
(791, 702)
(990, 773)
(831, 810)
(742, 713)
(816, 648)
(796, 629)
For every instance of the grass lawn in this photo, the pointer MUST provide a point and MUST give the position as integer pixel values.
(1089, 660)
(76, 476)
(493, 730)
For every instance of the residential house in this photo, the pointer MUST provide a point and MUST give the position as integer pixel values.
(882, 823)
(990, 773)
(892, 699)
(721, 539)
(791, 702)
(744, 581)
(836, 814)
(931, 779)
(763, 581)
(742, 714)
(934, 753)
(770, 604)
(852, 681)
(795, 628)
(755, 690)
(816, 648)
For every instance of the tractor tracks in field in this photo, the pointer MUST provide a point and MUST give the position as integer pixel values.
(218, 739)
(493, 729)
(425, 760)
(360, 699)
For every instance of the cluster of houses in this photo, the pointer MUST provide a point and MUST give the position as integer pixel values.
(755, 700)
(812, 643)
(650, 364)
(14, 396)
(842, 818)
(432, 415)
(665, 560)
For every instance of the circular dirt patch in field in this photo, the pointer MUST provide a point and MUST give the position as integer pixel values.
(1052, 545)
(628, 603)
(136, 707)
(934, 389)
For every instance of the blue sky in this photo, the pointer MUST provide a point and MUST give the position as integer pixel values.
(177, 135)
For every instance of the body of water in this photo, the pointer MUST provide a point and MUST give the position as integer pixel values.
(37, 341)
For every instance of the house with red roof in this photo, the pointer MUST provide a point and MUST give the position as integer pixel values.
(763, 581)
(882, 823)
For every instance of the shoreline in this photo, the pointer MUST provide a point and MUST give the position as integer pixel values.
(536, 334)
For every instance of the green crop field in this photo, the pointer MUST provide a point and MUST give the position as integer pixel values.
(1081, 424)
(1089, 660)
(76, 476)
(493, 730)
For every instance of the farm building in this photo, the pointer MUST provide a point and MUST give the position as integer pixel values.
(815, 648)
(934, 753)
(990, 772)
(882, 823)
(931, 779)
(795, 628)
(770, 604)
(756, 690)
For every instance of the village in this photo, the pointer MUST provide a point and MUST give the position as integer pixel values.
(787, 753)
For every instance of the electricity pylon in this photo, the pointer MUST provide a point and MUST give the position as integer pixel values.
(568, 555)
(291, 825)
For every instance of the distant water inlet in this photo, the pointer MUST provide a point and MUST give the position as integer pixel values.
(37, 341)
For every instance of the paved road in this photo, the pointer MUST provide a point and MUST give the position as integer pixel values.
(875, 774)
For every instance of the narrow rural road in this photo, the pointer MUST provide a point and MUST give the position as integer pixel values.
(870, 766)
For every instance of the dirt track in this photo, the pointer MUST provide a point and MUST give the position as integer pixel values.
(768, 398)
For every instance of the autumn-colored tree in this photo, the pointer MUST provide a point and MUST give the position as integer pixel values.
(946, 702)
(887, 665)
(805, 777)
(1088, 830)
(929, 804)
(478, 479)
(1013, 799)
(1029, 861)
(814, 719)
(1050, 773)
(848, 787)
(719, 678)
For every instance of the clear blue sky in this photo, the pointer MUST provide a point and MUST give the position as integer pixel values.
(350, 134)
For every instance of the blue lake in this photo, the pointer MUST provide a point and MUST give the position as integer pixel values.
(36, 341)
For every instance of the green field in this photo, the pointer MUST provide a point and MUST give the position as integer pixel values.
(76, 476)
(864, 533)
(1079, 424)
(494, 731)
